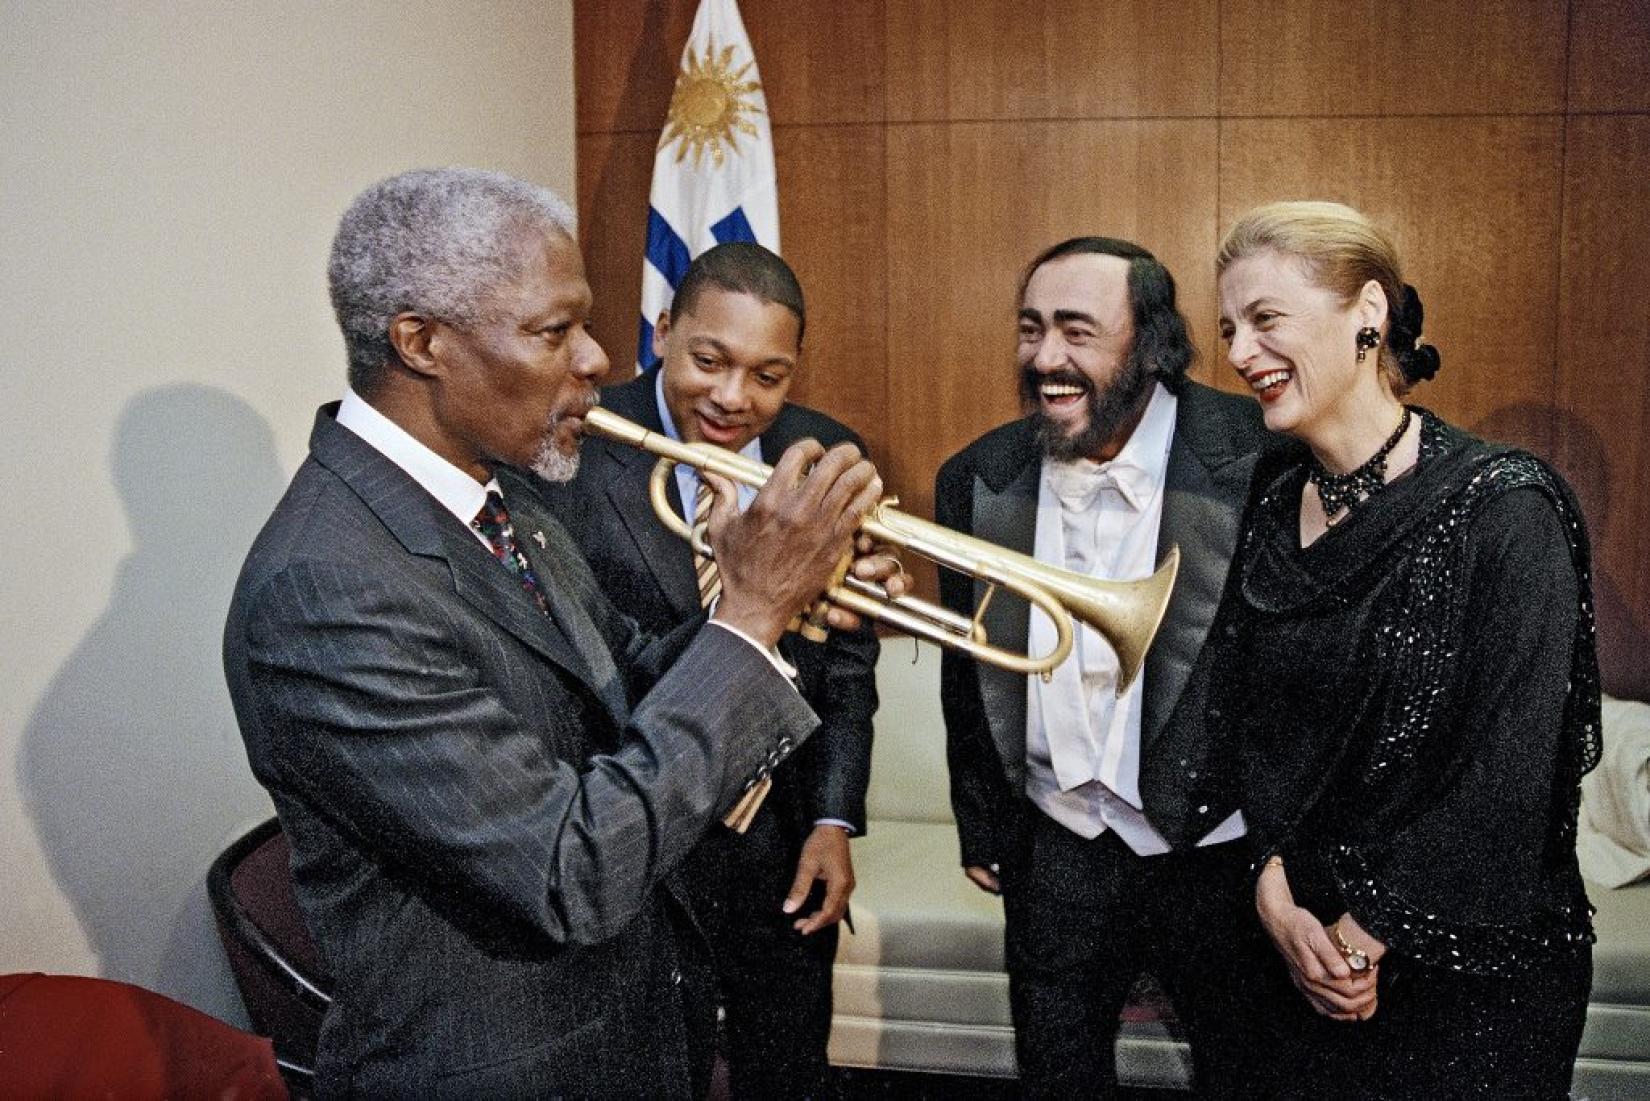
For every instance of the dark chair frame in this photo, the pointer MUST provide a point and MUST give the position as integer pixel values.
(234, 922)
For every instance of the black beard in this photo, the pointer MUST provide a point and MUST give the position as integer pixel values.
(1109, 409)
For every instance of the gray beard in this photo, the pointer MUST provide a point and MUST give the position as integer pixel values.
(550, 464)
(1109, 410)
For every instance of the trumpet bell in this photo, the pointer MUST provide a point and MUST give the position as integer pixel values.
(1126, 613)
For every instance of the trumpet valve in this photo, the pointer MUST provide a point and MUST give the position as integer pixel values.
(813, 627)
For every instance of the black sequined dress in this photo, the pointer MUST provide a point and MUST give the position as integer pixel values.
(1415, 699)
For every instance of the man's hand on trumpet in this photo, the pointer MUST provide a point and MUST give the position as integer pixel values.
(779, 555)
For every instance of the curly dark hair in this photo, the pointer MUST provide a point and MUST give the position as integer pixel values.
(1162, 345)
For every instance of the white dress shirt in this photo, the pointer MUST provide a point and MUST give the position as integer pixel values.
(1082, 740)
(458, 493)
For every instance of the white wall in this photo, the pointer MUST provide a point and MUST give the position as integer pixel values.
(170, 175)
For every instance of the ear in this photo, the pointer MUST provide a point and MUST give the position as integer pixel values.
(661, 329)
(413, 336)
(1372, 305)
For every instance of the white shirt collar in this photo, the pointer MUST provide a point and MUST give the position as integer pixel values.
(458, 492)
(1138, 470)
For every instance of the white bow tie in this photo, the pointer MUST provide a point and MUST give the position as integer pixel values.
(1077, 484)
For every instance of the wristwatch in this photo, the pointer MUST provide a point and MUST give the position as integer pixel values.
(1356, 958)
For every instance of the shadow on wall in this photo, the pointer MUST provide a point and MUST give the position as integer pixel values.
(132, 768)
(1623, 636)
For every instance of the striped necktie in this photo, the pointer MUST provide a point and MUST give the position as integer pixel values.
(710, 586)
(710, 581)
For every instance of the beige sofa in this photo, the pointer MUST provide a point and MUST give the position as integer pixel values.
(920, 984)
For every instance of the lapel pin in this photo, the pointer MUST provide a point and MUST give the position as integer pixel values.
(538, 537)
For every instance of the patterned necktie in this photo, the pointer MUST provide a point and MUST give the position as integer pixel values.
(493, 522)
(710, 581)
(564, 610)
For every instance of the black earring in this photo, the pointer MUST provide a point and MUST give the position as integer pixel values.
(1368, 337)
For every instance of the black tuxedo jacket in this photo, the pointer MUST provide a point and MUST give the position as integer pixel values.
(480, 829)
(649, 572)
(989, 490)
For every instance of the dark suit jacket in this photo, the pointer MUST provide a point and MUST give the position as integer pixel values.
(989, 489)
(649, 573)
(480, 830)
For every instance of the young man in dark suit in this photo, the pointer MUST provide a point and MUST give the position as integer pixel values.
(1107, 823)
(770, 898)
(486, 771)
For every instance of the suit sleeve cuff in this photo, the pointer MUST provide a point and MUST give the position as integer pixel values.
(785, 668)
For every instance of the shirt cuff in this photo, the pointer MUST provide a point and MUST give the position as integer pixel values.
(848, 826)
(785, 668)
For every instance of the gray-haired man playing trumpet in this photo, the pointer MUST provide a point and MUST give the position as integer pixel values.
(487, 772)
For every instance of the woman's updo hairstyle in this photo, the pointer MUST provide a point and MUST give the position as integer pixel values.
(1342, 250)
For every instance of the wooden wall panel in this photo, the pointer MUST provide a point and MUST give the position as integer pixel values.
(1357, 57)
(624, 62)
(1603, 389)
(1043, 59)
(831, 217)
(821, 60)
(1610, 55)
(968, 206)
(1473, 206)
(615, 173)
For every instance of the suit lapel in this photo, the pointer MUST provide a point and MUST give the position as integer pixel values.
(1202, 509)
(1005, 513)
(427, 529)
(667, 558)
(570, 620)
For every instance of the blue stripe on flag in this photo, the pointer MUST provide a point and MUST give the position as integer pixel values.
(665, 250)
(645, 359)
(733, 228)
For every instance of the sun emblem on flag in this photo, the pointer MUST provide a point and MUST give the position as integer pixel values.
(711, 102)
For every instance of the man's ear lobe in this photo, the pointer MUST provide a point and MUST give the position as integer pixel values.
(413, 336)
(661, 329)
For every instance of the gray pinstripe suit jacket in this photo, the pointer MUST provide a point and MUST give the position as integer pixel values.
(480, 832)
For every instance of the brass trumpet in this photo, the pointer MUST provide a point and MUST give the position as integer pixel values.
(1125, 613)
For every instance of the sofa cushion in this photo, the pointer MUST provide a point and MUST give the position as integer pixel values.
(1613, 834)
(1621, 959)
(908, 770)
(913, 906)
(1618, 1018)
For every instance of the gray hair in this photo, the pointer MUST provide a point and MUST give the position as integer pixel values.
(433, 241)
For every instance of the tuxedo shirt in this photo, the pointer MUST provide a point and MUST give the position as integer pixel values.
(1082, 740)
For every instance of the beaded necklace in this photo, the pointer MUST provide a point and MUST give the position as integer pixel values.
(1344, 491)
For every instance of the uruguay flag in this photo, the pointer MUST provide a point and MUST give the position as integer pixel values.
(713, 178)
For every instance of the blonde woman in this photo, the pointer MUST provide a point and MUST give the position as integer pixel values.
(1409, 672)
